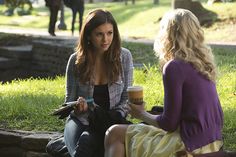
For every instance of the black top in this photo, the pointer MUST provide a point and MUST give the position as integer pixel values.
(101, 96)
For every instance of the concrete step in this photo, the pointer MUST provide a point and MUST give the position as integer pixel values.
(19, 143)
(8, 63)
(18, 52)
(12, 68)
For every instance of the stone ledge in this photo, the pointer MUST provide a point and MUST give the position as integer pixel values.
(18, 52)
(17, 143)
(8, 63)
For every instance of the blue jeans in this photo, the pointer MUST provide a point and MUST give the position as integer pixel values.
(78, 140)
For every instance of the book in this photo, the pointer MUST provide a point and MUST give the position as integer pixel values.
(67, 107)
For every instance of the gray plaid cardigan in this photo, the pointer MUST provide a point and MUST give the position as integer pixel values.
(117, 91)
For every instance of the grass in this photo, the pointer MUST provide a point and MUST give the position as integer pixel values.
(138, 21)
(27, 104)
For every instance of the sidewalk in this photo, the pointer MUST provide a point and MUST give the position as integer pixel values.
(36, 32)
(67, 35)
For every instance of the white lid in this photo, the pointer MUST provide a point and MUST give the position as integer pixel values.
(134, 88)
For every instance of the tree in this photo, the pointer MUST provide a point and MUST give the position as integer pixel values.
(126, 2)
(210, 2)
(156, 1)
(204, 16)
(20, 5)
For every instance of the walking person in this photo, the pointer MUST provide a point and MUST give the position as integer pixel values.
(100, 69)
(192, 119)
(54, 7)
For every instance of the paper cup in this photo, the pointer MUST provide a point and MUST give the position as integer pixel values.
(135, 95)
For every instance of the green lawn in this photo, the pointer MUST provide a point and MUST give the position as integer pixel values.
(138, 21)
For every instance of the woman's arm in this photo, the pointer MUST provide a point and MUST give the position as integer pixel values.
(138, 111)
(173, 80)
(169, 120)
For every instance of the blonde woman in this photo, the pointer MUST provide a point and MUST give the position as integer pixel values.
(192, 119)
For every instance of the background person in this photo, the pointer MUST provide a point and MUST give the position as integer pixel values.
(99, 69)
(54, 7)
(192, 119)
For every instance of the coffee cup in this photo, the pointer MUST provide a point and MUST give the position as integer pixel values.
(135, 95)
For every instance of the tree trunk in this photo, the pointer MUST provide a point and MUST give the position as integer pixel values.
(156, 2)
(126, 2)
(204, 16)
(210, 2)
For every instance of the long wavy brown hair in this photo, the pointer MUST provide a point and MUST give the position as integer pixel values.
(85, 51)
(181, 37)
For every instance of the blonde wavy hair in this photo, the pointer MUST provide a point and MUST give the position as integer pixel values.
(181, 37)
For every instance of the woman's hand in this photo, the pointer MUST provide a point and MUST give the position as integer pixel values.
(81, 106)
(136, 111)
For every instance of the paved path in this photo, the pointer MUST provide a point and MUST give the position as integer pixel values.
(67, 35)
(36, 32)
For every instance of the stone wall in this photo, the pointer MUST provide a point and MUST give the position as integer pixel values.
(24, 143)
(33, 56)
(30, 56)
(15, 62)
(49, 58)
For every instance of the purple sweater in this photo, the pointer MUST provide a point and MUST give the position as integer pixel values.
(191, 103)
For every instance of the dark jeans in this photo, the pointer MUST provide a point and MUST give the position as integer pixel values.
(78, 140)
(88, 141)
(53, 19)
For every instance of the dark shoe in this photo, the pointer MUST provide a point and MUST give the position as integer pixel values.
(156, 110)
(52, 33)
(56, 147)
(231, 154)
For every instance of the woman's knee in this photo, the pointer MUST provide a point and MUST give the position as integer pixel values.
(72, 133)
(116, 133)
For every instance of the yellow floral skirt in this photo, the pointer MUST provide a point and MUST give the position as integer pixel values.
(149, 141)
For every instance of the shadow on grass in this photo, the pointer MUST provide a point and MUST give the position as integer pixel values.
(124, 13)
(142, 53)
